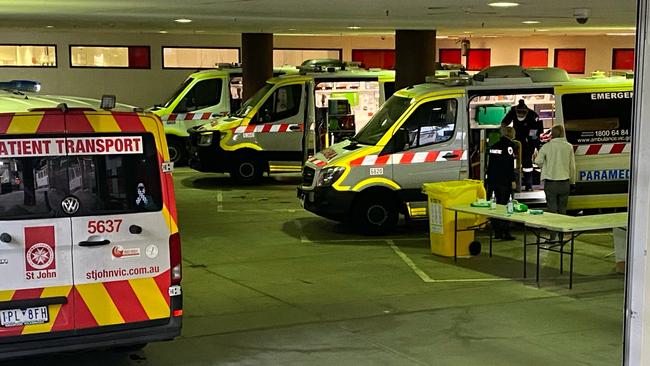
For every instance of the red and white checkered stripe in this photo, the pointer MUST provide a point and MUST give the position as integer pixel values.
(319, 163)
(410, 158)
(601, 149)
(186, 116)
(269, 128)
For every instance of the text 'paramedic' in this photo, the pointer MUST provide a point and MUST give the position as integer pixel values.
(71, 146)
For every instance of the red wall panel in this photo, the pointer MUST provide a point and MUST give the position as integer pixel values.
(533, 57)
(478, 59)
(623, 59)
(139, 57)
(571, 59)
(384, 59)
(449, 56)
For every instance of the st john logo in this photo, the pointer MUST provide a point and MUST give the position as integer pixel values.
(40, 253)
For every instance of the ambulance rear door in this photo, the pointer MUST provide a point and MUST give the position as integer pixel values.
(598, 124)
(35, 236)
(120, 232)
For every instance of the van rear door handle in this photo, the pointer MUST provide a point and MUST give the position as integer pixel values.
(294, 128)
(450, 156)
(92, 243)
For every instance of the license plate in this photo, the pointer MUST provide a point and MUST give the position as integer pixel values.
(29, 316)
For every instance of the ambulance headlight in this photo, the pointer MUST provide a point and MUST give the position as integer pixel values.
(328, 176)
(205, 139)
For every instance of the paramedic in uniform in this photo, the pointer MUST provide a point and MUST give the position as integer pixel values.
(527, 130)
(501, 176)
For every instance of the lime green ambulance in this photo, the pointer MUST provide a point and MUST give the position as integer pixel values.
(202, 97)
(266, 133)
(440, 131)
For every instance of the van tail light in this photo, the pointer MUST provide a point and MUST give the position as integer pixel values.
(175, 258)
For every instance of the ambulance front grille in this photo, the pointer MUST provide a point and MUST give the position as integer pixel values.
(308, 176)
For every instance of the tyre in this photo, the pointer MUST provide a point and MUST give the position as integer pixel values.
(247, 169)
(177, 151)
(475, 248)
(376, 213)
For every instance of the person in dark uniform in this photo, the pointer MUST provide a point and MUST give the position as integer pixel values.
(527, 127)
(501, 176)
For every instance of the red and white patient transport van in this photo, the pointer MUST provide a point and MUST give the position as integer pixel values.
(89, 244)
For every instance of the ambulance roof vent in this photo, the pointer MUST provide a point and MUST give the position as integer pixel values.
(447, 80)
(547, 74)
(514, 73)
(322, 65)
(225, 65)
(20, 86)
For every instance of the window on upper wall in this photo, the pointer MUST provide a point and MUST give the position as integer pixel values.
(449, 56)
(571, 59)
(478, 59)
(198, 57)
(295, 56)
(27, 55)
(123, 57)
(533, 57)
(384, 59)
(623, 59)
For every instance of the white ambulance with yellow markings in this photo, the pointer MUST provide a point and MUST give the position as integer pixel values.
(438, 132)
(89, 245)
(202, 97)
(266, 134)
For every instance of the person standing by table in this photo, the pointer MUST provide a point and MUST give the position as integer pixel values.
(557, 160)
(527, 127)
(501, 176)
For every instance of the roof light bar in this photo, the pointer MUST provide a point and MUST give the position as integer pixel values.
(21, 86)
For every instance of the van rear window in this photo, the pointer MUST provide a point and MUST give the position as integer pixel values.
(109, 183)
(31, 187)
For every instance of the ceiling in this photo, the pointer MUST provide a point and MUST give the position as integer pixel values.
(449, 17)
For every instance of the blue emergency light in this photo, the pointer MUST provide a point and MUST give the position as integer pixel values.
(21, 86)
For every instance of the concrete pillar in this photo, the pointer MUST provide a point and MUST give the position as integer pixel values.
(257, 60)
(415, 52)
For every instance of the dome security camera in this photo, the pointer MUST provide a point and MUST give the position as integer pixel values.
(581, 15)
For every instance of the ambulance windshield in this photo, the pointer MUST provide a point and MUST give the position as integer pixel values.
(253, 101)
(178, 92)
(381, 122)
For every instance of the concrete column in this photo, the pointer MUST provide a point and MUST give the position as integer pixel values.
(257, 60)
(415, 52)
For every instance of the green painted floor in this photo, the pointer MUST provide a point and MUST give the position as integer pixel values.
(266, 283)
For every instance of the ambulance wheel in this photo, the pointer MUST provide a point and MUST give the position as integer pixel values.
(376, 213)
(247, 169)
(475, 248)
(177, 152)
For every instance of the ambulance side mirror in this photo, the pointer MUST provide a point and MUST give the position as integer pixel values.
(5, 238)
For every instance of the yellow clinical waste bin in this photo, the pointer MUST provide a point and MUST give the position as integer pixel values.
(441, 220)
